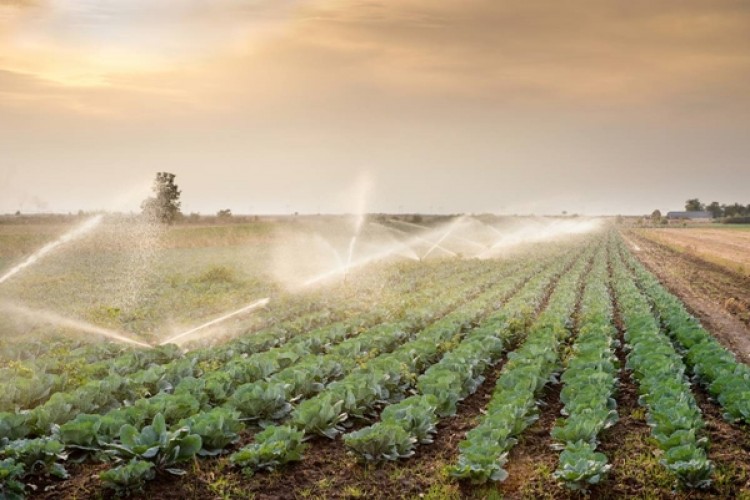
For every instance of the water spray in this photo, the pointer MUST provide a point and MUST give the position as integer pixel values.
(438, 245)
(74, 233)
(445, 235)
(414, 239)
(455, 236)
(248, 308)
(488, 226)
(542, 232)
(330, 247)
(363, 188)
(353, 242)
(464, 239)
(345, 269)
(38, 315)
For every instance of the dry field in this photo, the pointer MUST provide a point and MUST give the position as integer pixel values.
(728, 247)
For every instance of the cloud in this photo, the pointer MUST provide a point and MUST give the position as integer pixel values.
(683, 56)
(587, 52)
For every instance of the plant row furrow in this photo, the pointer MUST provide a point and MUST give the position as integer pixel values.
(173, 384)
(715, 367)
(28, 384)
(589, 382)
(384, 380)
(199, 427)
(458, 374)
(673, 415)
(513, 406)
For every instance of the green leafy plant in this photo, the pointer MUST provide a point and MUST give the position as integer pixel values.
(38, 455)
(580, 465)
(157, 444)
(388, 441)
(11, 474)
(275, 446)
(83, 433)
(320, 416)
(261, 400)
(715, 367)
(456, 375)
(673, 413)
(416, 415)
(513, 406)
(217, 428)
(128, 478)
(589, 384)
(14, 425)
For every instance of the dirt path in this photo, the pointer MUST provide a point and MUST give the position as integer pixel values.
(719, 298)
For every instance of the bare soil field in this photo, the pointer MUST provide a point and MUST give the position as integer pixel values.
(726, 247)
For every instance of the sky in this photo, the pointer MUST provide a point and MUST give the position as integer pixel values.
(276, 106)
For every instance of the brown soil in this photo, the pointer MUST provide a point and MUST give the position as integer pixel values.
(729, 450)
(716, 296)
(728, 247)
(532, 461)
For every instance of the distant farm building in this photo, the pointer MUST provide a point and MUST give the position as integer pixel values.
(693, 216)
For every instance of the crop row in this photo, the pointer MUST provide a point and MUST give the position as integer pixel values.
(90, 431)
(187, 396)
(358, 310)
(272, 397)
(29, 384)
(381, 381)
(513, 406)
(589, 382)
(175, 385)
(715, 367)
(88, 435)
(165, 366)
(673, 414)
(458, 374)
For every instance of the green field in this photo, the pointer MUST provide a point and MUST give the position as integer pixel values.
(550, 368)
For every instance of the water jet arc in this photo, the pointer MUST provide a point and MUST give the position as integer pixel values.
(74, 233)
(247, 308)
(74, 324)
(445, 235)
(414, 239)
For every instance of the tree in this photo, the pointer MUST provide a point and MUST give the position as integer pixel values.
(165, 206)
(224, 214)
(656, 215)
(734, 210)
(715, 209)
(694, 205)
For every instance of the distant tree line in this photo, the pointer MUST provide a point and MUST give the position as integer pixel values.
(718, 210)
